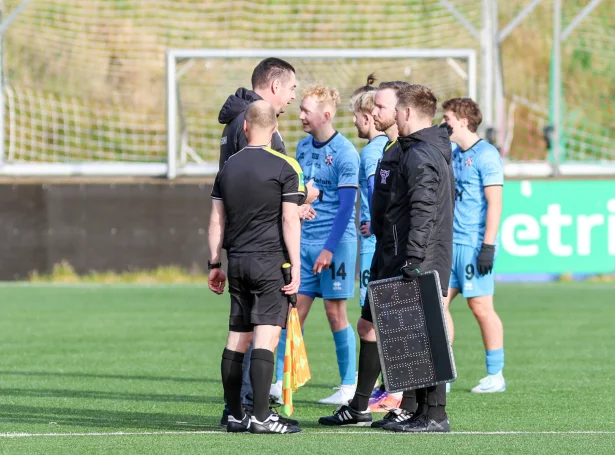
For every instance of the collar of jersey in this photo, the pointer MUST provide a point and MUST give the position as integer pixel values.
(380, 135)
(322, 144)
(471, 147)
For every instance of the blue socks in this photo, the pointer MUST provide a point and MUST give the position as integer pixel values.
(346, 351)
(495, 361)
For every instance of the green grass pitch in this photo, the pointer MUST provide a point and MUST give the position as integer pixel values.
(144, 361)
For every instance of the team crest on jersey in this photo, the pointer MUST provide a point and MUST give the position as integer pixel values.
(384, 175)
(469, 162)
(329, 160)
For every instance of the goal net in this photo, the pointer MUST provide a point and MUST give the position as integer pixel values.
(200, 81)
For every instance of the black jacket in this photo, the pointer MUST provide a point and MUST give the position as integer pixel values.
(415, 190)
(232, 115)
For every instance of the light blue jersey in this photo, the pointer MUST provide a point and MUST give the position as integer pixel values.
(370, 156)
(474, 169)
(333, 165)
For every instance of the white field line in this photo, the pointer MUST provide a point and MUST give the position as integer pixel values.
(371, 433)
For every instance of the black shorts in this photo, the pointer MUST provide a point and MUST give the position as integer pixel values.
(255, 281)
(366, 309)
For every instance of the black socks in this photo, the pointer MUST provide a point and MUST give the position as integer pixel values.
(369, 369)
(261, 373)
(232, 363)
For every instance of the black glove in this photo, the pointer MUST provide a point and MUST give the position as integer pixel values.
(411, 269)
(485, 259)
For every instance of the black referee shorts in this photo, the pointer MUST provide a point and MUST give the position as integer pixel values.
(255, 281)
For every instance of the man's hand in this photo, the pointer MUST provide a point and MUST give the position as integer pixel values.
(217, 281)
(365, 229)
(485, 259)
(312, 193)
(295, 280)
(323, 261)
(411, 269)
(307, 212)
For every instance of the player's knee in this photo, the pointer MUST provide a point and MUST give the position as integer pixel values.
(336, 313)
(365, 329)
(239, 341)
(482, 307)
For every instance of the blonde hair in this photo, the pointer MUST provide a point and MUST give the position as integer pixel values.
(324, 95)
(356, 103)
(365, 102)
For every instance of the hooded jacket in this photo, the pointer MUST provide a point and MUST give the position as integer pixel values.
(232, 115)
(414, 195)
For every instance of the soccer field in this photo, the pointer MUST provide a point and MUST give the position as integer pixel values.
(136, 369)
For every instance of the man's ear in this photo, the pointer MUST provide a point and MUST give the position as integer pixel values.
(275, 86)
(366, 119)
(245, 126)
(326, 115)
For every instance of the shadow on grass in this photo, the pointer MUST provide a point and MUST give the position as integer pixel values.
(108, 376)
(97, 418)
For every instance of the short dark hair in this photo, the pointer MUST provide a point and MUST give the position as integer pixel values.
(269, 70)
(465, 108)
(418, 97)
(393, 85)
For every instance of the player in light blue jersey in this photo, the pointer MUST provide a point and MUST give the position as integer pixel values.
(329, 241)
(479, 178)
(362, 105)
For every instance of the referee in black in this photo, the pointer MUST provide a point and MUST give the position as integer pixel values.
(255, 218)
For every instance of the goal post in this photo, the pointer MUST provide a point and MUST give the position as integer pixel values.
(192, 143)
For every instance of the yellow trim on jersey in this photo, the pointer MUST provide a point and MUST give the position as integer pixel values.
(390, 145)
(293, 163)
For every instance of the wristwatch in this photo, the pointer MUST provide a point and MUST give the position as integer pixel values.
(211, 266)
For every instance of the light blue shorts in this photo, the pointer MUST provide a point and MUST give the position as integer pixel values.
(335, 283)
(366, 263)
(464, 274)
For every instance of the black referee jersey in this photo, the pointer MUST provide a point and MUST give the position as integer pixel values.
(253, 183)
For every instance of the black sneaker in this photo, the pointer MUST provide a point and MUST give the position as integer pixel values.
(238, 426)
(393, 416)
(272, 425)
(345, 415)
(286, 420)
(421, 424)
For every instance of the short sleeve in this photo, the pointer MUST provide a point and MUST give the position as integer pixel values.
(491, 168)
(369, 160)
(348, 168)
(215, 192)
(291, 178)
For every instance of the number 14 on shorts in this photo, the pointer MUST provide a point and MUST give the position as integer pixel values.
(340, 272)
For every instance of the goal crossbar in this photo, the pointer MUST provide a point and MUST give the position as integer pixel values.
(175, 56)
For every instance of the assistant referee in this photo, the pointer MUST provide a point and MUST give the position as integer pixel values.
(255, 218)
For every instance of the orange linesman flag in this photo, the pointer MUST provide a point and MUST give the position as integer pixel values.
(296, 368)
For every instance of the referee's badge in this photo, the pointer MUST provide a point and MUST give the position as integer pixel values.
(384, 174)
